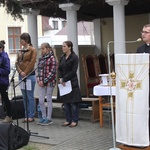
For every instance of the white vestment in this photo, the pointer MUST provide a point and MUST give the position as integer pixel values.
(132, 99)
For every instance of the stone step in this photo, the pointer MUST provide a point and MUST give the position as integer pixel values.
(84, 113)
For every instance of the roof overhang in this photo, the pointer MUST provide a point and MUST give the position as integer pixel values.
(89, 10)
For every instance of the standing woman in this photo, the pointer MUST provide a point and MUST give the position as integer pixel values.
(4, 81)
(25, 63)
(67, 70)
(46, 79)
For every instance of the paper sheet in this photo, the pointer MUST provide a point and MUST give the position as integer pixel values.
(63, 90)
(28, 85)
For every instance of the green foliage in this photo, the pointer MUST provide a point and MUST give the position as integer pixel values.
(30, 147)
(13, 7)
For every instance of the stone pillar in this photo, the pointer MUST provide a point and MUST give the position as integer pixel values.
(97, 35)
(72, 33)
(119, 24)
(33, 31)
(32, 27)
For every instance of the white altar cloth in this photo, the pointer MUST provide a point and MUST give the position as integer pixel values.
(101, 90)
(132, 99)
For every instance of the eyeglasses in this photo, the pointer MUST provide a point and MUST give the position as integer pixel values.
(144, 32)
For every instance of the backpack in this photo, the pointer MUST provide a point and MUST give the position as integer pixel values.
(12, 136)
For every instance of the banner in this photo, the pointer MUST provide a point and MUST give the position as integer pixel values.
(132, 99)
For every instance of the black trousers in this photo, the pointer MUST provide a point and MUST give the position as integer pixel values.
(5, 99)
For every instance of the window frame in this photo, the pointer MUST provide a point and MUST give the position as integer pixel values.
(55, 25)
(14, 38)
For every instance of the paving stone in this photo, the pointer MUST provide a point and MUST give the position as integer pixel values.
(86, 136)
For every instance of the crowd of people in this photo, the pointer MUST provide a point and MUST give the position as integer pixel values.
(48, 67)
(44, 74)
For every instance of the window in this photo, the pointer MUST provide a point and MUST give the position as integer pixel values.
(14, 39)
(64, 23)
(55, 25)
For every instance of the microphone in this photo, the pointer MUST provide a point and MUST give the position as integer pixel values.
(24, 50)
(108, 49)
(138, 40)
(110, 42)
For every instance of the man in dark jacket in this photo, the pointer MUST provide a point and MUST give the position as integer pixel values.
(145, 48)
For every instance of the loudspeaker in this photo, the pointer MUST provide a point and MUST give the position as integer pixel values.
(17, 108)
(12, 137)
(4, 136)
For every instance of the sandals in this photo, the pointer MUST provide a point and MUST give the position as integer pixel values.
(73, 124)
(66, 124)
(25, 120)
(29, 120)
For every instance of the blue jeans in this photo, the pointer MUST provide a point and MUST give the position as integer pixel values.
(72, 112)
(28, 97)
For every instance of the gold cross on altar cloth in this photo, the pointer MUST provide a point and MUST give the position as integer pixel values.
(131, 84)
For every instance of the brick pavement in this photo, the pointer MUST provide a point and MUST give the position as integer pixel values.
(85, 136)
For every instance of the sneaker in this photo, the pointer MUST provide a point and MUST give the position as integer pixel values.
(41, 121)
(7, 120)
(47, 122)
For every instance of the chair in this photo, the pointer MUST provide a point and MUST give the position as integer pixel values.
(102, 59)
(104, 104)
(91, 71)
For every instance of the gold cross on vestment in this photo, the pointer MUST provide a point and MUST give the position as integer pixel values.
(131, 84)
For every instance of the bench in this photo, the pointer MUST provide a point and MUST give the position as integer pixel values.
(95, 106)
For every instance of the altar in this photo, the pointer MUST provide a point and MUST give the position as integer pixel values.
(131, 99)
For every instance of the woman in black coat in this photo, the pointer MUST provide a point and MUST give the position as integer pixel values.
(67, 70)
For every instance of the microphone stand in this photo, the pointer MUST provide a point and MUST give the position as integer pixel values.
(111, 99)
(24, 79)
(13, 82)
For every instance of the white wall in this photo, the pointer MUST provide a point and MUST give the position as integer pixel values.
(59, 39)
(8, 21)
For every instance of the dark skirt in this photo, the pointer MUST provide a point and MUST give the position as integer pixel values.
(73, 97)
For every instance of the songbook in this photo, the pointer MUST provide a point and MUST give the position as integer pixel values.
(63, 90)
(28, 85)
